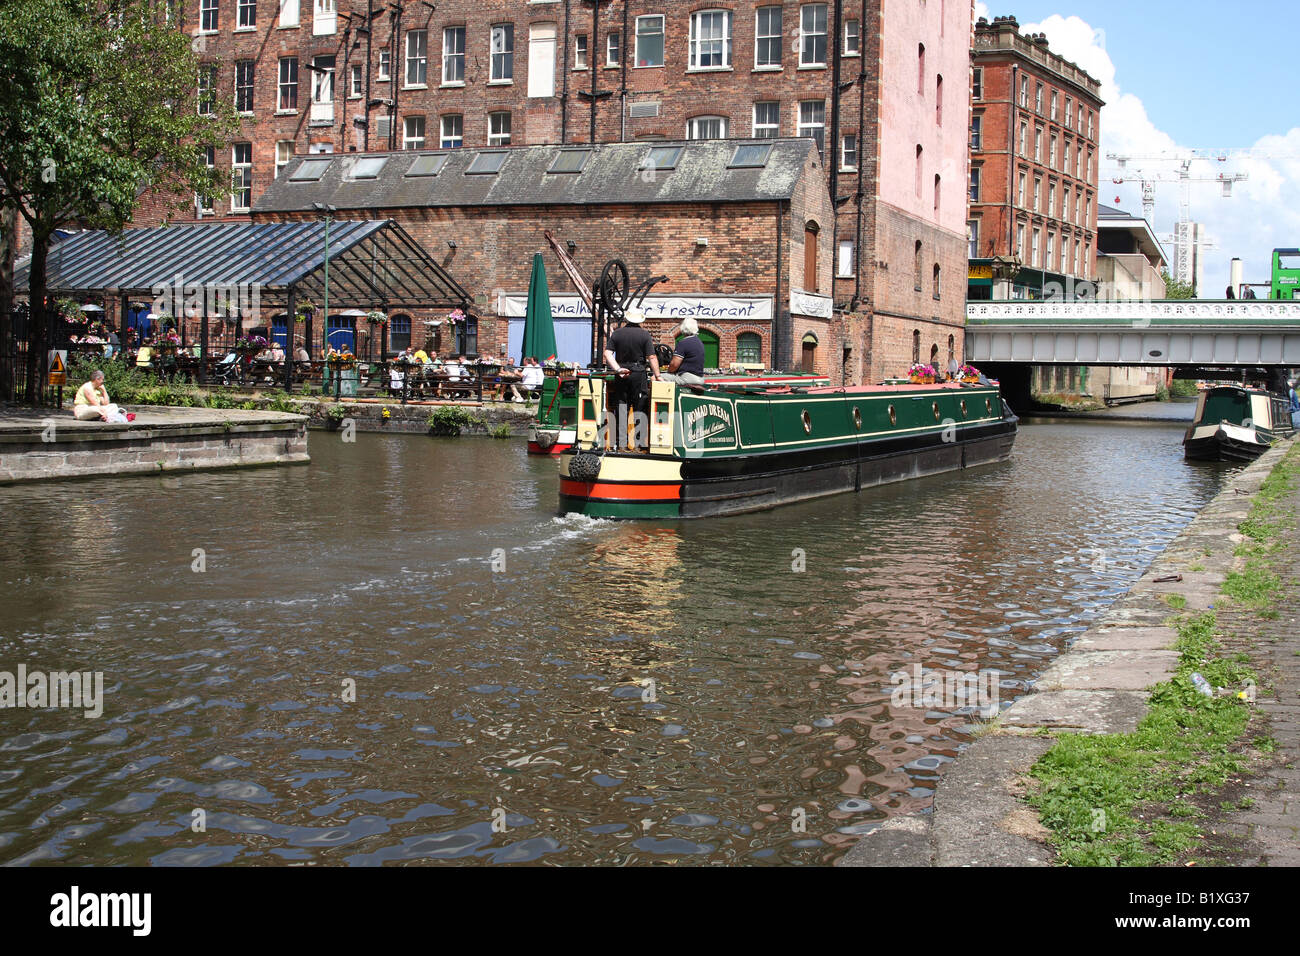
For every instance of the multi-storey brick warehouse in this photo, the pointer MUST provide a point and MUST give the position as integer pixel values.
(1035, 128)
(880, 87)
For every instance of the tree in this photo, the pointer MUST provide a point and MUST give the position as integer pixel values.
(98, 104)
(1174, 289)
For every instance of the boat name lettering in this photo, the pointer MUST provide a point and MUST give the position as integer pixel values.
(698, 428)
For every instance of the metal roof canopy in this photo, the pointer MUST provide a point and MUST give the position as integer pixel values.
(372, 263)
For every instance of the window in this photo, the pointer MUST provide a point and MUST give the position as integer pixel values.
(1078, 161)
(1087, 213)
(972, 238)
(849, 152)
(1075, 270)
(916, 275)
(466, 336)
(1065, 201)
(541, 60)
(580, 51)
(767, 120)
(811, 274)
(1020, 190)
(977, 131)
(499, 129)
(977, 83)
(750, 156)
(614, 49)
(1038, 144)
(1024, 92)
(1049, 259)
(852, 38)
(1088, 171)
(1080, 117)
(283, 153)
(399, 333)
(812, 34)
(413, 132)
(812, 121)
(355, 81)
(1038, 99)
(206, 89)
(417, 57)
(662, 157)
(310, 170)
(453, 55)
(1090, 115)
(938, 100)
(844, 261)
(485, 162)
(1076, 210)
(1051, 198)
(767, 39)
(202, 201)
(935, 282)
(1024, 139)
(324, 18)
(384, 68)
(706, 127)
(244, 86)
(1054, 106)
(288, 13)
(503, 53)
(246, 15)
(650, 41)
(749, 348)
(920, 69)
(938, 182)
(322, 90)
(920, 155)
(975, 184)
(208, 16)
(710, 40)
(1051, 153)
(1020, 242)
(570, 161)
(427, 165)
(1033, 249)
(1069, 112)
(241, 176)
(453, 131)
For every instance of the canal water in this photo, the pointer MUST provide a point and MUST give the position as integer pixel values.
(530, 688)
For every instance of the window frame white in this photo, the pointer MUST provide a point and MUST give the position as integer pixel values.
(503, 59)
(444, 139)
(495, 137)
(801, 126)
(282, 85)
(410, 139)
(808, 39)
(663, 43)
(692, 126)
(764, 41)
(775, 127)
(453, 60)
(417, 58)
(696, 49)
(245, 173)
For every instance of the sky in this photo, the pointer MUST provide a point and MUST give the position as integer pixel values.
(1190, 74)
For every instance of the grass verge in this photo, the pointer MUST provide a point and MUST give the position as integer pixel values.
(1129, 799)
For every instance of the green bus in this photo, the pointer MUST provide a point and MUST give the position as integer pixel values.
(1286, 274)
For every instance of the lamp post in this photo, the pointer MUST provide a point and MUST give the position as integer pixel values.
(328, 211)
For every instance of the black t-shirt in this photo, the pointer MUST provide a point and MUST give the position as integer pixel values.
(631, 345)
(691, 349)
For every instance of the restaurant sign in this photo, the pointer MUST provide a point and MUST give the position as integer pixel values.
(703, 308)
(809, 303)
(980, 272)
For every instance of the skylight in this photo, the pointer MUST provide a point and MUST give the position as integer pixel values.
(570, 161)
(368, 167)
(430, 165)
(750, 156)
(310, 170)
(662, 157)
(486, 162)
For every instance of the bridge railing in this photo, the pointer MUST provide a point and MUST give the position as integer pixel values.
(1225, 313)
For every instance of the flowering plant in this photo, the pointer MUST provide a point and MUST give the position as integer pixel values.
(968, 371)
(252, 343)
(340, 359)
(169, 339)
(304, 309)
(455, 316)
(921, 371)
(376, 317)
(70, 311)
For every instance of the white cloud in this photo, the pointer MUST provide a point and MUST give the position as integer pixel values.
(1250, 225)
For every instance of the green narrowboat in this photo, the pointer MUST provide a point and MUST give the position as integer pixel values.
(728, 449)
(1236, 423)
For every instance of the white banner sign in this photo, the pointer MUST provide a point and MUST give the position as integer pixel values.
(808, 303)
(674, 307)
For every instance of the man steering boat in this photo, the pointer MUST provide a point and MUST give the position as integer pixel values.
(630, 353)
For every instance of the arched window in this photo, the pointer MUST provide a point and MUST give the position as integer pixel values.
(399, 333)
(749, 348)
(952, 349)
(937, 184)
(936, 280)
(916, 266)
(809, 353)
(916, 346)
(810, 271)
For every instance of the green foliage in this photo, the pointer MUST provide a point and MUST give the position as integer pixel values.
(500, 431)
(279, 401)
(1183, 388)
(1162, 394)
(336, 413)
(451, 420)
(1177, 290)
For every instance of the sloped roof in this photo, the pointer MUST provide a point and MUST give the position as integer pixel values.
(612, 173)
(371, 262)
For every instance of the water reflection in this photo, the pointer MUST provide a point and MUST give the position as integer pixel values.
(616, 693)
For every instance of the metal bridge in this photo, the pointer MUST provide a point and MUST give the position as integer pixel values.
(1190, 334)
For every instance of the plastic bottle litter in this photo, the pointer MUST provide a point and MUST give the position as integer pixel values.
(1202, 685)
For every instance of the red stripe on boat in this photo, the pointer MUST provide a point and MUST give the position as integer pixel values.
(620, 491)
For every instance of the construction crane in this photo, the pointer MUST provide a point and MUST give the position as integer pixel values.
(1182, 236)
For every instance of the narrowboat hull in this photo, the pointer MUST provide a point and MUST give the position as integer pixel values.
(1224, 442)
(1236, 423)
(549, 441)
(850, 457)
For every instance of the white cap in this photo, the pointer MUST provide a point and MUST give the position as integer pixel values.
(635, 316)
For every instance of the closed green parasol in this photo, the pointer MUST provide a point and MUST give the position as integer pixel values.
(539, 326)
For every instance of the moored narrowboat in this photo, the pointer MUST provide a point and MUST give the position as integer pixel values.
(1236, 423)
(729, 449)
(554, 430)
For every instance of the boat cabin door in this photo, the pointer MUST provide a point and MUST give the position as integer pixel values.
(591, 410)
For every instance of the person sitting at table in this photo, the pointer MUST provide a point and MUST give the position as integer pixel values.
(92, 404)
(533, 375)
(300, 352)
(456, 369)
(144, 357)
(396, 378)
(407, 355)
(276, 354)
(421, 356)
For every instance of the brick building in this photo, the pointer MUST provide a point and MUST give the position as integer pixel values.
(880, 87)
(1034, 134)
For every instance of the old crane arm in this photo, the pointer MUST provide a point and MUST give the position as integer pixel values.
(581, 281)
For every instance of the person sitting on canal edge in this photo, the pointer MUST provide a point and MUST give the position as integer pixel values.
(687, 366)
(629, 351)
(92, 402)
